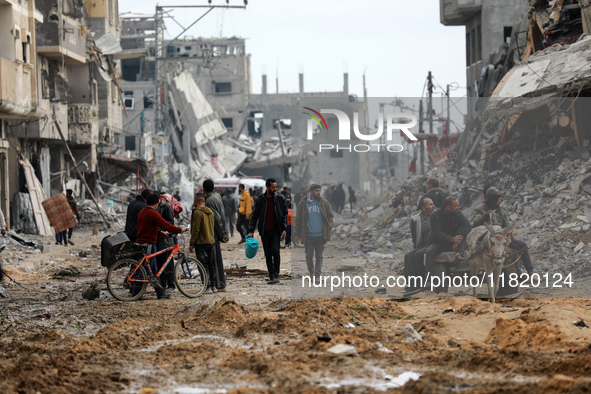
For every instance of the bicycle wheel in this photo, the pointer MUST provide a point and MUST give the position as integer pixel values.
(190, 277)
(118, 283)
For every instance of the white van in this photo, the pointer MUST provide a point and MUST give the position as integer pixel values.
(221, 184)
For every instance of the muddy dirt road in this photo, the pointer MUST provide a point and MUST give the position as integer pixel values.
(255, 338)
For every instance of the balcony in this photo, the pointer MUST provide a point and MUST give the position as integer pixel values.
(458, 12)
(83, 124)
(55, 42)
(16, 94)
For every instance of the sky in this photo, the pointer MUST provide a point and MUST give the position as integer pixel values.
(394, 42)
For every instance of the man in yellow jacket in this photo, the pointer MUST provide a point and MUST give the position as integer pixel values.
(202, 237)
(244, 212)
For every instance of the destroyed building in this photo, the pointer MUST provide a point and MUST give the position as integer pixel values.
(54, 94)
(489, 23)
(255, 138)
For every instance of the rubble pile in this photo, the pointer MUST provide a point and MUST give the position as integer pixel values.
(548, 200)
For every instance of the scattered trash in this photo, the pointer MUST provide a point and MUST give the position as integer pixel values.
(411, 335)
(450, 310)
(42, 316)
(347, 350)
(350, 325)
(581, 324)
(92, 292)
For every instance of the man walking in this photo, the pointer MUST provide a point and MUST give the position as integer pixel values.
(213, 202)
(449, 229)
(74, 206)
(270, 212)
(244, 211)
(314, 220)
(203, 238)
(230, 211)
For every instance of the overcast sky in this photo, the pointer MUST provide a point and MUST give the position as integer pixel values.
(395, 42)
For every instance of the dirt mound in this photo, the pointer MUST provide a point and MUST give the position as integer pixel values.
(521, 334)
(48, 336)
(312, 315)
(225, 314)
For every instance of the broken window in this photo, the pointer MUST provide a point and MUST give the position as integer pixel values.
(228, 123)
(26, 45)
(507, 32)
(255, 121)
(148, 99)
(45, 90)
(285, 124)
(222, 87)
(130, 142)
(128, 99)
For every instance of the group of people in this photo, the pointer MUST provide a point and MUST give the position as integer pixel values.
(271, 216)
(438, 226)
(150, 220)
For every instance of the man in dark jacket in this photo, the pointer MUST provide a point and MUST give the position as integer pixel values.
(230, 209)
(133, 210)
(449, 229)
(74, 206)
(270, 212)
(165, 240)
(435, 193)
(214, 202)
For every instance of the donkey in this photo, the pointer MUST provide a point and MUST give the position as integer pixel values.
(487, 245)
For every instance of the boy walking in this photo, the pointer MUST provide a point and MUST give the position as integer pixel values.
(203, 239)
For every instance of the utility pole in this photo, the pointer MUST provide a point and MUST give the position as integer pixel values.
(382, 166)
(448, 117)
(421, 142)
(430, 104)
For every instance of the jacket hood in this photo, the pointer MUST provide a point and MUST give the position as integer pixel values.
(245, 192)
(416, 215)
(205, 210)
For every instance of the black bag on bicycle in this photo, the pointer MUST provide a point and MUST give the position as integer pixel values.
(111, 246)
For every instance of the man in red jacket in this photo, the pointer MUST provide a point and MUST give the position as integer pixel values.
(149, 223)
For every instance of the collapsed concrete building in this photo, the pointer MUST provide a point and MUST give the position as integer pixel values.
(57, 89)
(257, 128)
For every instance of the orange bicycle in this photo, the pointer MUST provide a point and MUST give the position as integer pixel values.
(128, 278)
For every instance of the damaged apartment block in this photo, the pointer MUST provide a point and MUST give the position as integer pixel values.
(61, 74)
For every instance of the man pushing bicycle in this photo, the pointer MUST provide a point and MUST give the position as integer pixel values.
(149, 223)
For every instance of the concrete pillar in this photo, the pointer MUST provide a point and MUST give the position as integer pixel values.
(264, 90)
(346, 84)
(301, 83)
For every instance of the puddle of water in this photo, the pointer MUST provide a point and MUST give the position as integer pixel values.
(224, 341)
(388, 382)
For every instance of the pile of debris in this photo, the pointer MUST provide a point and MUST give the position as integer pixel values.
(548, 201)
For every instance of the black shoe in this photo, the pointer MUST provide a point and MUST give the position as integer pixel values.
(241, 241)
(271, 281)
(164, 296)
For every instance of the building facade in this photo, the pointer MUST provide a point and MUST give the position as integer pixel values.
(489, 23)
